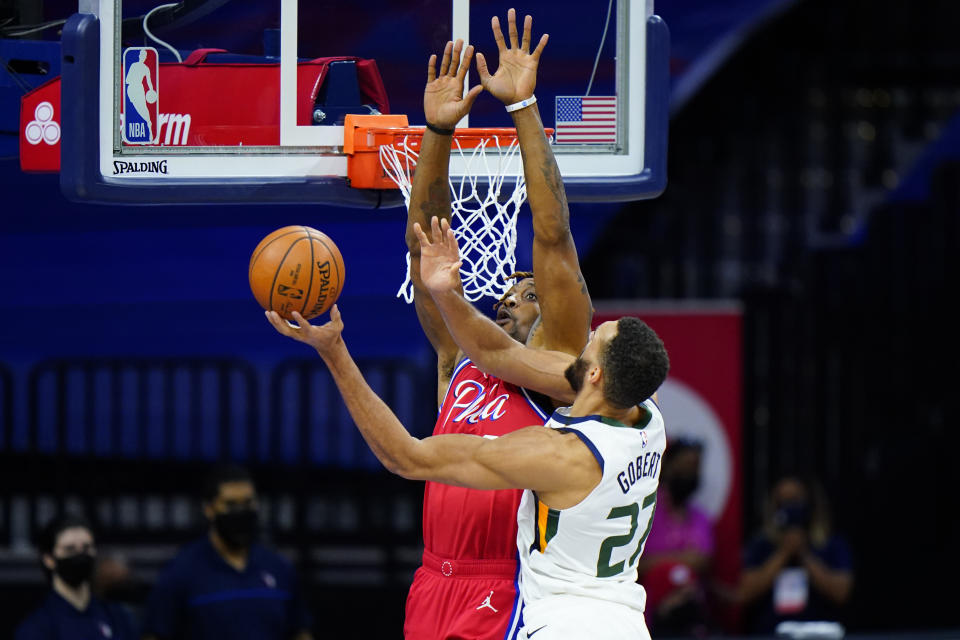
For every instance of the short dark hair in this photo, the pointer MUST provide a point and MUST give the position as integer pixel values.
(634, 362)
(222, 474)
(47, 538)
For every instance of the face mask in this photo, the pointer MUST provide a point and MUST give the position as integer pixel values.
(237, 527)
(75, 569)
(682, 487)
(792, 514)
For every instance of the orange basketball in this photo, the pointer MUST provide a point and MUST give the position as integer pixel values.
(296, 269)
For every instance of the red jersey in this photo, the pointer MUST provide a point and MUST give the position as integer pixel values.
(468, 523)
(467, 586)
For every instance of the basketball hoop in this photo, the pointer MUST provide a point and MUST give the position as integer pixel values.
(486, 183)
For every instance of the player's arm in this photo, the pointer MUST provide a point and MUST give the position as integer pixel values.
(565, 306)
(486, 344)
(551, 462)
(534, 458)
(443, 106)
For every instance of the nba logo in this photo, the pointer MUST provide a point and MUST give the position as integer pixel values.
(140, 95)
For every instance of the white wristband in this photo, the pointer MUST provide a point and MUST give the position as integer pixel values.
(516, 106)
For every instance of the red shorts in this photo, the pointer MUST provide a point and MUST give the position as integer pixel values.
(462, 600)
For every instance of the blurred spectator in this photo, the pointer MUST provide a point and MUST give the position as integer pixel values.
(68, 554)
(679, 549)
(795, 568)
(115, 580)
(113, 575)
(225, 585)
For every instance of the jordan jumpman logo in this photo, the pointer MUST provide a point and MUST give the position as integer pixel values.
(486, 603)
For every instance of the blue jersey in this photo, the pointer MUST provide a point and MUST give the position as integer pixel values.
(57, 619)
(199, 597)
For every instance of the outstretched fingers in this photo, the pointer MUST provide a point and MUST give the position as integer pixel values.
(498, 34)
(282, 326)
(527, 27)
(450, 243)
(465, 65)
(300, 320)
(421, 236)
(448, 238)
(454, 69)
(540, 45)
(471, 96)
(273, 322)
(445, 60)
(441, 233)
(435, 230)
(317, 336)
(512, 28)
(432, 68)
(482, 70)
(336, 321)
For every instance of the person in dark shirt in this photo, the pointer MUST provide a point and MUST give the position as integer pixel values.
(70, 612)
(225, 585)
(796, 568)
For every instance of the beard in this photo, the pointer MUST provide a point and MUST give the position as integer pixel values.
(575, 374)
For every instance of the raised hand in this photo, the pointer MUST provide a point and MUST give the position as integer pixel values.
(516, 75)
(324, 338)
(439, 259)
(444, 104)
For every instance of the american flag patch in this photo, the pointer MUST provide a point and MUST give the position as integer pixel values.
(586, 119)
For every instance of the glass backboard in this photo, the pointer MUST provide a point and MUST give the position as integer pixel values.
(244, 100)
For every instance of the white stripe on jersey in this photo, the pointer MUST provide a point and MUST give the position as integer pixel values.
(534, 405)
(467, 361)
(591, 549)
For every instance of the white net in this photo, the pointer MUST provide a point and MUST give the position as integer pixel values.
(483, 210)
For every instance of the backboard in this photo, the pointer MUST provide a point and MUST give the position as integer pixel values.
(243, 100)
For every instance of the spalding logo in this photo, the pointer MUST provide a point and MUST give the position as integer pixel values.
(323, 270)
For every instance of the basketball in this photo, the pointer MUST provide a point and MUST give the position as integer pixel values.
(296, 268)
(151, 96)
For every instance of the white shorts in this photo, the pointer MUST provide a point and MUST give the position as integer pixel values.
(576, 618)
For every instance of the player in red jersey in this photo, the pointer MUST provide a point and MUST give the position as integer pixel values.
(466, 587)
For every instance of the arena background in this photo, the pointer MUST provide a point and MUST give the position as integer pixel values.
(813, 188)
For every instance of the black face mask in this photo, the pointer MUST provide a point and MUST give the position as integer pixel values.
(682, 487)
(793, 514)
(237, 527)
(75, 569)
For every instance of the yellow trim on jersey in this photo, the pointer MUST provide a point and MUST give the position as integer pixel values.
(542, 511)
(548, 520)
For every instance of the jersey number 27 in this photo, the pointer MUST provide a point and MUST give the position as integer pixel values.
(604, 568)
